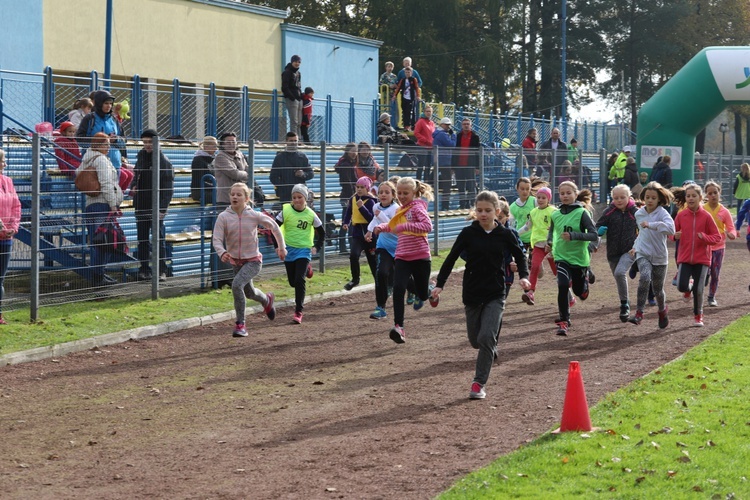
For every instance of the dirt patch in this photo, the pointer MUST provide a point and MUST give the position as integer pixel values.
(331, 408)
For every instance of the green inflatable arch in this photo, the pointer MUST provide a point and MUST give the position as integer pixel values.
(668, 122)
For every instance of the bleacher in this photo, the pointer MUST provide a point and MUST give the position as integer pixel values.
(188, 231)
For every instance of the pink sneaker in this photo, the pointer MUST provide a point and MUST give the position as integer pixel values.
(269, 309)
(528, 297)
(698, 320)
(477, 391)
(297, 318)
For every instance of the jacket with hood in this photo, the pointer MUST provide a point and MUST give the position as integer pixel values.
(651, 243)
(694, 249)
(98, 121)
(346, 167)
(423, 130)
(446, 141)
(143, 182)
(484, 277)
(631, 175)
(291, 83)
(237, 234)
(111, 194)
(621, 229)
(662, 173)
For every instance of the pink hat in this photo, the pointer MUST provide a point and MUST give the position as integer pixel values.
(545, 191)
(364, 181)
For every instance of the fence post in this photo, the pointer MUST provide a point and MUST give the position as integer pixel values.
(275, 116)
(436, 202)
(375, 120)
(251, 169)
(520, 135)
(49, 96)
(351, 120)
(387, 160)
(481, 167)
(603, 177)
(94, 82)
(213, 110)
(176, 105)
(329, 119)
(323, 209)
(505, 126)
(136, 97)
(491, 130)
(35, 200)
(245, 116)
(155, 222)
(585, 135)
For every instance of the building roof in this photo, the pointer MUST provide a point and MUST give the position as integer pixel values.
(245, 7)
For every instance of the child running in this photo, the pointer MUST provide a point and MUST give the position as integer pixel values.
(235, 239)
(618, 222)
(385, 249)
(521, 208)
(725, 224)
(412, 224)
(483, 244)
(358, 214)
(655, 224)
(569, 235)
(697, 233)
(511, 266)
(300, 226)
(538, 223)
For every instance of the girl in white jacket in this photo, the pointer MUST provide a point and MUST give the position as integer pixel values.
(650, 249)
(235, 239)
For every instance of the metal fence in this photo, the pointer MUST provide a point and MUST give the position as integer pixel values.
(196, 110)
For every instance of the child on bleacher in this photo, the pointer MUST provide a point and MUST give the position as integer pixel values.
(412, 224)
(304, 236)
(235, 239)
(307, 104)
(67, 152)
(358, 214)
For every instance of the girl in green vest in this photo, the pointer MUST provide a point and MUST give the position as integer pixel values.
(569, 236)
(304, 236)
(742, 185)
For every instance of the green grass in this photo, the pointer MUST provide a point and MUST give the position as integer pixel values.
(69, 322)
(683, 431)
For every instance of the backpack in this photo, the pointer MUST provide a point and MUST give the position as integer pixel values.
(109, 236)
(409, 161)
(87, 181)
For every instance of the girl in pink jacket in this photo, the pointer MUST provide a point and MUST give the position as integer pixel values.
(412, 224)
(235, 239)
(697, 233)
(725, 224)
(10, 216)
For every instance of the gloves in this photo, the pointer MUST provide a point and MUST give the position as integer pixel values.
(602, 230)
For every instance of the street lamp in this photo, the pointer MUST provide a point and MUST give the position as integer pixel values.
(723, 128)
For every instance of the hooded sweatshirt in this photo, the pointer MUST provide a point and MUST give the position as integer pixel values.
(99, 121)
(291, 83)
(651, 243)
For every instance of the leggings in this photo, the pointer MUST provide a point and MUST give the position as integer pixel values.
(242, 288)
(620, 269)
(295, 273)
(568, 275)
(357, 246)
(698, 273)
(483, 323)
(405, 269)
(537, 257)
(717, 258)
(5, 248)
(652, 277)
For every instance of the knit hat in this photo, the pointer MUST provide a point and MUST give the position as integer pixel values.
(364, 181)
(301, 189)
(296, 58)
(545, 191)
(65, 126)
(383, 116)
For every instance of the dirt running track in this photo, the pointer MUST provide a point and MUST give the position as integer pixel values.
(328, 409)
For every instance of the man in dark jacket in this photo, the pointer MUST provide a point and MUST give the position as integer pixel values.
(143, 185)
(662, 172)
(466, 164)
(290, 167)
(291, 87)
(555, 143)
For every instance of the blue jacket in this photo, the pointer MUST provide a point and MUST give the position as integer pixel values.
(444, 140)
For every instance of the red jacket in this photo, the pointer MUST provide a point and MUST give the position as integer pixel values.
(423, 130)
(68, 154)
(693, 249)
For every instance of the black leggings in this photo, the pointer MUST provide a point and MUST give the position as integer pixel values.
(384, 279)
(359, 245)
(295, 273)
(567, 274)
(405, 269)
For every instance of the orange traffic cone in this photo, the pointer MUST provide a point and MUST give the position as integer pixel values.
(575, 415)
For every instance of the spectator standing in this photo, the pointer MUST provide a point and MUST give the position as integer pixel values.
(466, 163)
(291, 87)
(10, 216)
(200, 167)
(741, 187)
(230, 166)
(410, 95)
(367, 166)
(101, 120)
(408, 64)
(662, 172)
(66, 149)
(290, 167)
(631, 174)
(390, 79)
(573, 151)
(556, 146)
(423, 132)
(529, 146)
(445, 139)
(81, 108)
(307, 105)
(617, 172)
(143, 183)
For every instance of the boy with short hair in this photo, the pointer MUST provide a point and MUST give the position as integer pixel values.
(307, 100)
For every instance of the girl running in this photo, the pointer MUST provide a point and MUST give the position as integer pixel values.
(743, 213)
(235, 239)
(521, 209)
(655, 224)
(300, 226)
(483, 244)
(385, 249)
(725, 224)
(358, 214)
(412, 224)
(538, 224)
(618, 221)
(697, 233)
(511, 266)
(569, 235)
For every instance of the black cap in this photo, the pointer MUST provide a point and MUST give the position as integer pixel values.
(149, 132)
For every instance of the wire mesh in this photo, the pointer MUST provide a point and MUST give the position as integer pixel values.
(260, 117)
(23, 98)
(228, 112)
(157, 107)
(193, 112)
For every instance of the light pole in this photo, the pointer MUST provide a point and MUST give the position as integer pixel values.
(723, 128)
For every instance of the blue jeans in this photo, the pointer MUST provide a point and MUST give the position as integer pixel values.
(94, 216)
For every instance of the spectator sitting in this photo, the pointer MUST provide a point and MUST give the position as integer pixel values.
(199, 167)
(290, 167)
(366, 164)
(229, 167)
(81, 108)
(67, 152)
(389, 135)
